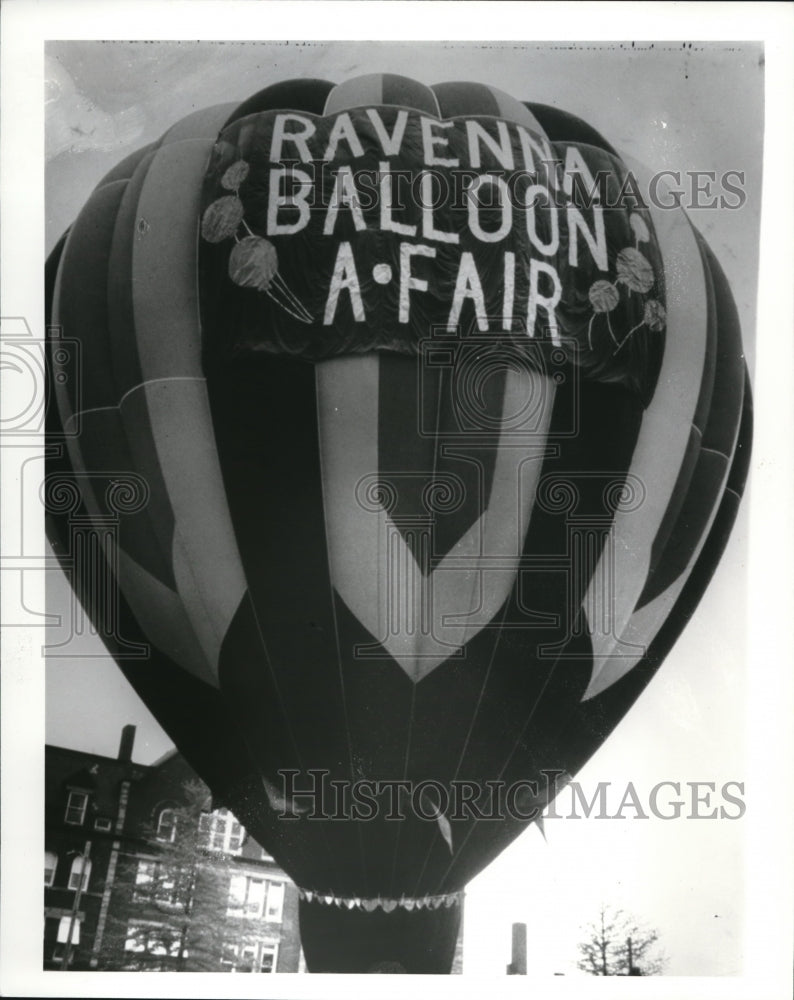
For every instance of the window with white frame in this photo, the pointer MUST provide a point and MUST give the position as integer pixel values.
(80, 867)
(275, 902)
(50, 864)
(222, 831)
(76, 805)
(250, 896)
(166, 825)
(65, 926)
(246, 896)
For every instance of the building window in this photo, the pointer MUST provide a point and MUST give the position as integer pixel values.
(63, 930)
(76, 805)
(229, 958)
(65, 924)
(256, 897)
(256, 956)
(80, 866)
(246, 896)
(166, 825)
(102, 824)
(222, 831)
(155, 883)
(144, 877)
(50, 864)
(267, 957)
(275, 902)
(247, 958)
(152, 939)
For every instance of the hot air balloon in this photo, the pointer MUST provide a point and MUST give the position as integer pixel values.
(394, 470)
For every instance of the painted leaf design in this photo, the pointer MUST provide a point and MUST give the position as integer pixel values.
(634, 270)
(253, 263)
(221, 219)
(235, 175)
(603, 296)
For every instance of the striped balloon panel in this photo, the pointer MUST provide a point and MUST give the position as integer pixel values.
(703, 493)
(194, 714)
(377, 89)
(597, 717)
(313, 675)
(279, 662)
(715, 432)
(699, 491)
(137, 313)
(562, 126)
(82, 307)
(126, 168)
(480, 99)
(715, 382)
(426, 654)
(540, 666)
(578, 732)
(307, 96)
(686, 375)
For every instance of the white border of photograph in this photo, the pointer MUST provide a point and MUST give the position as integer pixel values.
(26, 24)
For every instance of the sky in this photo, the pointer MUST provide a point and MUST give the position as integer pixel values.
(666, 106)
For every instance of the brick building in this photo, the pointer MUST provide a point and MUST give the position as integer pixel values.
(116, 864)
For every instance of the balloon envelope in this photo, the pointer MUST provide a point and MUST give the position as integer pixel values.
(404, 445)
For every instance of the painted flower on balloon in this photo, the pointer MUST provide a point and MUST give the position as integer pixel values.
(253, 262)
(634, 272)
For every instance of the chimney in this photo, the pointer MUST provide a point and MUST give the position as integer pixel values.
(127, 742)
(518, 967)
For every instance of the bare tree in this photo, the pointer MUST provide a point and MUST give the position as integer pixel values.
(616, 944)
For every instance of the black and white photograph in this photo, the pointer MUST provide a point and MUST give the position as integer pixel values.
(397, 492)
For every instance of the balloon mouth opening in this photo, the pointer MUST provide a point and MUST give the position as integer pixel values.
(409, 939)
